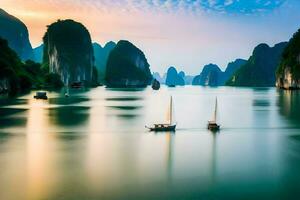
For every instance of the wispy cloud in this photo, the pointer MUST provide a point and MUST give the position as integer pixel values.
(195, 6)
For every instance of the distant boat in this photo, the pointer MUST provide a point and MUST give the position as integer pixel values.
(41, 95)
(171, 85)
(155, 84)
(213, 125)
(171, 126)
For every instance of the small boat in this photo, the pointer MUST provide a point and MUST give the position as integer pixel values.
(213, 125)
(155, 84)
(171, 85)
(77, 85)
(168, 126)
(41, 95)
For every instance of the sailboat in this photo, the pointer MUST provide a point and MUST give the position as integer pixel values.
(213, 125)
(171, 126)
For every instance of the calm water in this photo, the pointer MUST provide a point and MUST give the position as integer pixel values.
(93, 145)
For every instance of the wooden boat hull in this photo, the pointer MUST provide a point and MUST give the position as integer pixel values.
(213, 127)
(171, 128)
(44, 98)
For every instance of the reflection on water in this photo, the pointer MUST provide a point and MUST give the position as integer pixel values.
(93, 145)
(289, 106)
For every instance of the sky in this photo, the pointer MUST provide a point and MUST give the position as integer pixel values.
(186, 34)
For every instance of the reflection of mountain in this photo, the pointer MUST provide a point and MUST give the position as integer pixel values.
(289, 106)
(69, 115)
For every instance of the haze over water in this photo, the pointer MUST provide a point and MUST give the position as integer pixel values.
(94, 145)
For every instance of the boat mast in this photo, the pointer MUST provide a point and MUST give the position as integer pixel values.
(216, 107)
(171, 110)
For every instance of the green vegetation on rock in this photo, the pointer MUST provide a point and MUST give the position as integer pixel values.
(16, 76)
(259, 70)
(69, 52)
(127, 66)
(288, 72)
(16, 33)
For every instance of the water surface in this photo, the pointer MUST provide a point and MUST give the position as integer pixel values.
(94, 145)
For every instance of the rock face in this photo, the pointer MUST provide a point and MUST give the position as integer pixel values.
(127, 66)
(288, 72)
(232, 67)
(259, 71)
(9, 61)
(69, 52)
(17, 76)
(16, 33)
(211, 75)
(101, 56)
(174, 78)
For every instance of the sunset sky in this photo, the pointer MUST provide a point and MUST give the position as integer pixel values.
(186, 34)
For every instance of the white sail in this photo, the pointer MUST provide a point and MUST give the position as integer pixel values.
(171, 114)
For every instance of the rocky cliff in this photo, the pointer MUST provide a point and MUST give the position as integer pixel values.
(101, 56)
(211, 75)
(174, 78)
(68, 51)
(16, 33)
(17, 76)
(127, 66)
(259, 71)
(231, 68)
(288, 72)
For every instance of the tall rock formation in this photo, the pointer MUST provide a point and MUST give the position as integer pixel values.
(101, 56)
(288, 72)
(259, 71)
(231, 68)
(174, 78)
(127, 66)
(69, 52)
(16, 33)
(211, 75)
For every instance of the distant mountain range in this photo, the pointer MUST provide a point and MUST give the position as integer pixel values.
(101, 56)
(172, 77)
(212, 75)
(73, 58)
(38, 53)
